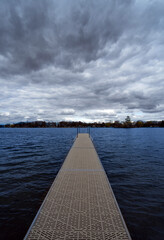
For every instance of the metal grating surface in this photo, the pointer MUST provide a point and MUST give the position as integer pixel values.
(80, 203)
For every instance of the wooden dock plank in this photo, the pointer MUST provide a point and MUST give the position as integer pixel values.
(80, 203)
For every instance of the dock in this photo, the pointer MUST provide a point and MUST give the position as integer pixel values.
(80, 203)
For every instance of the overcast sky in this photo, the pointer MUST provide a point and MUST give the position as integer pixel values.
(88, 60)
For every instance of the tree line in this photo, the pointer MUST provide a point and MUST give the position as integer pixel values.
(65, 124)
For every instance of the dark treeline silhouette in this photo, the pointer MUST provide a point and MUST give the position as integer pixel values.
(65, 124)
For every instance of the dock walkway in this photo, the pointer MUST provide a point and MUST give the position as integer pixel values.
(80, 203)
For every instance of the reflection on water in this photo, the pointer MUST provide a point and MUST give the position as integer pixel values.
(132, 158)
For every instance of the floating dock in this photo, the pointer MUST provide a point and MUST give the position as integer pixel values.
(80, 203)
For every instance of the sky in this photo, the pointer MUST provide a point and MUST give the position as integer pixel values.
(81, 60)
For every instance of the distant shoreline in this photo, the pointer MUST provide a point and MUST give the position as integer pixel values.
(68, 124)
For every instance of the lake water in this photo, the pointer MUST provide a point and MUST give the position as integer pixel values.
(133, 160)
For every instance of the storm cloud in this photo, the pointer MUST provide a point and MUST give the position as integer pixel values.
(81, 60)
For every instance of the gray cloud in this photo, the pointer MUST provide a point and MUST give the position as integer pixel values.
(81, 60)
(35, 34)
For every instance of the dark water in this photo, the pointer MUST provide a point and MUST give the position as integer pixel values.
(133, 160)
